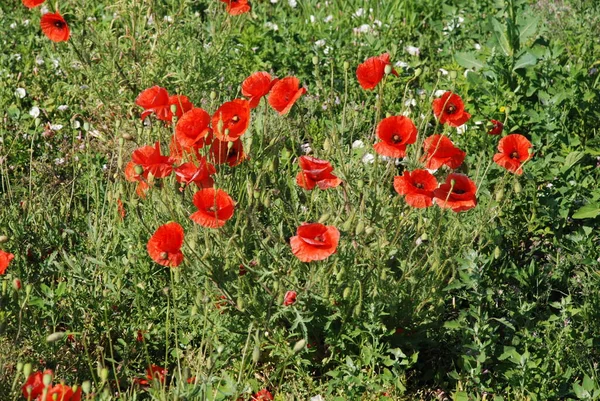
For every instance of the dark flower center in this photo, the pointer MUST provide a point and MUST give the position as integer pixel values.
(212, 209)
(459, 191)
(514, 154)
(59, 24)
(164, 255)
(396, 138)
(451, 109)
(319, 238)
(419, 185)
(235, 118)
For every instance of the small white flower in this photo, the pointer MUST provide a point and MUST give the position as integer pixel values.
(150, 20)
(478, 122)
(26, 22)
(56, 127)
(406, 113)
(76, 124)
(34, 112)
(39, 60)
(91, 19)
(410, 102)
(327, 49)
(62, 107)
(401, 64)
(292, 3)
(17, 57)
(359, 12)
(377, 23)
(305, 148)
(419, 241)
(368, 158)
(13, 25)
(317, 398)
(421, 92)
(304, 209)
(60, 160)
(358, 144)
(439, 92)
(412, 50)
(477, 46)
(364, 28)
(44, 9)
(168, 18)
(312, 19)
(55, 62)
(20, 93)
(320, 42)
(328, 19)
(443, 71)
(273, 1)
(461, 129)
(270, 25)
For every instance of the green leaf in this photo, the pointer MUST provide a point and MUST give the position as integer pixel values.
(501, 37)
(588, 383)
(527, 28)
(587, 212)
(468, 60)
(572, 159)
(460, 396)
(452, 324)
(526, 60)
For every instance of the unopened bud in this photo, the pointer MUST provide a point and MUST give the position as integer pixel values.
(47, 379)
(27, 369)
(256, 354)
(127, 137)
(3, 239)
(518, 187)
(59, 335)
(103, 374)
(213, 95)
(346, 293)
(497, 252)
(346, 65)
(226, 134)
(500, 194)
(453, 75)
(86, 386)
(299, 345)
(173, 108)
(315, 60)
(387, 69)
(16, 284)
(139, 170)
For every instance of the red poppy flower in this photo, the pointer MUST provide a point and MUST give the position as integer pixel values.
(457, 193)
(395, 132)
(164, 247)
(256, 86)
(55, 27)
(199, 174)
(315, 241)
(262, 395)
(32, 3)
(417, 186)
(139, 336)
(34, 386)
(62, 392)
(192, 128)
(231, 120)
(222, 152)
(215, 207)
(496, 128)
(182, 104)
(439, 151)
(237, 7)
(316, 172)
(289, 298)
(155, 372)
(371, 72)
(152, 161)
(514, 151)
(5, 259)
(155, 100)
(131, 176)
(450, 109)
(284, 94)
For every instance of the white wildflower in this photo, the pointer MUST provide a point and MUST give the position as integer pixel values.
(168, 18)
(320, 43)
(39, 60)
(443, 71)
(410, 102)
(461, 129)
(359, 12)
(62, 107)
(60, 160)
(477, 46)
(358, 144)
(292, 3)
(271, 25)
(439, 92)
(368, 158)
(34, 112)
(13, 25)
(412, 50)
(305, 148)
(328, 19)
(56, 127)
(20, 93)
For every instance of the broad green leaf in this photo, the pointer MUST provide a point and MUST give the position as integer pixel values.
(460, 396)
(572, 159)
(468, 60)
(527, 28)
(526, 60)
(501, 37)
(587, 212)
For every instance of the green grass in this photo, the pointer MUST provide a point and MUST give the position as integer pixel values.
(499, 302)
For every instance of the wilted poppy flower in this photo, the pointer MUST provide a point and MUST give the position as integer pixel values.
(55, 27)
(32, 3)
(5, 259)
(155, 100)
(316, 172)
(237, 7)
(289, 298)
(256, 86)
(182, 105)
(514, 151)
(457, 193)
(164, 247)
(439, 151)
(314, 241)
(449, 108)
(262, 395)
(231, 120)
(222, 152)
(192, 128)
(215, 207)
(121, 208)
(34, 386)
(199, 174)
(417, 186)
(62, 392)
(496, 128)
(152, 161)
(284, 94)
(395, 132)
(371, 72)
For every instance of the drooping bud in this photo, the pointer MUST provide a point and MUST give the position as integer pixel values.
(56, 336)
(299, 345)
(387, 69)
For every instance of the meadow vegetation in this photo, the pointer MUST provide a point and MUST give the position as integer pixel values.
(121, 284)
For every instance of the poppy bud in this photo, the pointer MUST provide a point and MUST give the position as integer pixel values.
(86, 126)
(299, 345)
(139, 170)
(359, 228)
(497, 252)
(357, 310)
(229, 144)
(19, 367)
(517, 187)
(289, 298)
(3, 239)
(383, 275)
(47, 379)
(27, 369)
(103, 374)
(256, 354)
(346, 65)
(346, 293)
(453, 75)
(327, 145)
(174, 108)
(213, 95)
(59, 335)
(240, 303)
(86, 386)
(16, 284)
(220, 125)
(387, 69)
(127, 137)
(28, 289)
(346, 226)
(324, 218)
(369, 230)
(315, 60)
